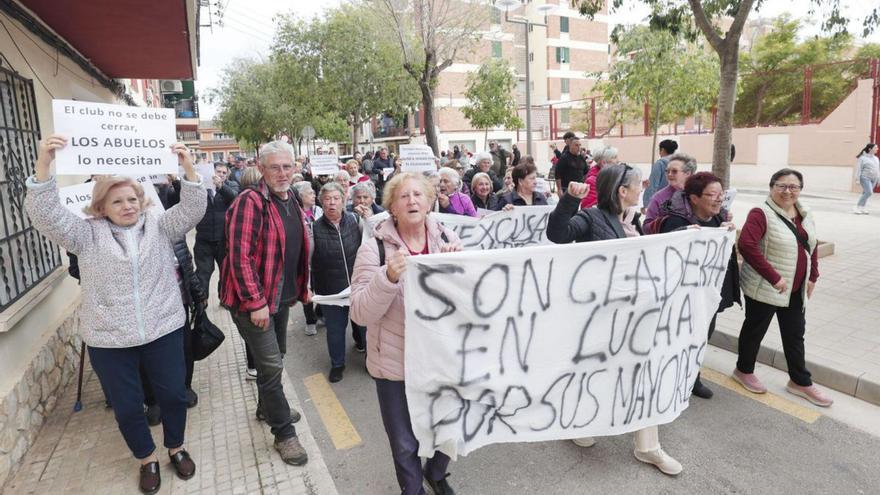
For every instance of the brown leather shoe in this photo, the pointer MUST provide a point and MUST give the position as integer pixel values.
(291, 451)
(183, 464)
(150, 480)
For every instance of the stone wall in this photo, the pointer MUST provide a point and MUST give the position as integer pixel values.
(27, 405)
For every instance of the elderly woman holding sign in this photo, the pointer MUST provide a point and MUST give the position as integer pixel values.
(377, 302)
(132, 310)
(451, 199)
(618, 190)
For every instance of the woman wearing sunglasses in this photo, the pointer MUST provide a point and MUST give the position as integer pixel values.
(618, 188)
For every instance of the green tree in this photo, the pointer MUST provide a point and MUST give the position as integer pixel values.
(491, 101)
(248, 105)
(432, 35)
(356, 74)
(706, 16)
(773, 71)
(674, 78)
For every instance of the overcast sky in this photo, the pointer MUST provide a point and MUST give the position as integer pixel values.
(248, 29)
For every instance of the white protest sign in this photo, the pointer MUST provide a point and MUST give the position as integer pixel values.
(205, 170)
(555, 342)
(113, 139)
(324, 164)
(417, 158)
(522, 226)
(77, 197)
(541, 185)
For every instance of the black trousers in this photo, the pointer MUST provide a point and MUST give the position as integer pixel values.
(205, 254)
(792, 325)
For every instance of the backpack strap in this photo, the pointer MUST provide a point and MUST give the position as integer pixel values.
(381, 245)
(804, 242)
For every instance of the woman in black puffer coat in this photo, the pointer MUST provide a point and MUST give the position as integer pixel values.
(337, 239)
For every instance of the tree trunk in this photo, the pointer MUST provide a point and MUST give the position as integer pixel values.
(355, 137)
(726, 100)
(428, 113)
(485, 138)
(759, 106)
(656, 130)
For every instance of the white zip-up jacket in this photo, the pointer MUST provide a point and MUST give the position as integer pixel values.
(130, 294)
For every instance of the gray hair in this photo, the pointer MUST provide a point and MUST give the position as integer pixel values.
(480, 175)
(605, 154)
(689, 163)
(451, 175)
(366, 187)
(303, 187)
(273, 148)
(483, 155)
(607, 185)
(331, 187)
(342, 173)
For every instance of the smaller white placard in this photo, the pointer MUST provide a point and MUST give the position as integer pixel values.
(324, 164)
(77, 197)
(417, 158)
(729, 196)
(108, 139)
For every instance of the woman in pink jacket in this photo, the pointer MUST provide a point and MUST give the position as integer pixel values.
(377, 302)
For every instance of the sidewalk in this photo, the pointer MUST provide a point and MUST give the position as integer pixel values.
(843, 335)
(83, 452)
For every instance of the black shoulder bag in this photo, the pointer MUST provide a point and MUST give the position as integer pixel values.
(805, 243)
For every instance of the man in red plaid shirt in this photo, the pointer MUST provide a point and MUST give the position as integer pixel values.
(264, 273)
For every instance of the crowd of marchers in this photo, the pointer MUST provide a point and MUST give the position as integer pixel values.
(280, 234)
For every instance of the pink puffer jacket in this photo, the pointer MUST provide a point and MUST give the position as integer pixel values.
(378, 303)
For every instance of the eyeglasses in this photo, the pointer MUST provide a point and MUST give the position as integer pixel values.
(787, 187)
(626, 168)
(279, 168)
(714, 196)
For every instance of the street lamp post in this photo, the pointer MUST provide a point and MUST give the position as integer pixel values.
(507, 6)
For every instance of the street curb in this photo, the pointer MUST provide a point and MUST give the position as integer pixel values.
(859, 384)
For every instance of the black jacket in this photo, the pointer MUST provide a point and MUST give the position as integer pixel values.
(567, 224)
(497, 183)
(571, 168)
(211, 227)
(334, 254)
(491, 202)
(513, 198)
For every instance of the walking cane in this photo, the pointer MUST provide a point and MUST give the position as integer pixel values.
(79, 383)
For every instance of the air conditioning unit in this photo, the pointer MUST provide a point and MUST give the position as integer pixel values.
(171, 86)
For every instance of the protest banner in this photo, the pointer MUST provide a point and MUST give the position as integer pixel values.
(522, 226)
(113, 139)
(324, 164)
(417, 158)
(556, 342)
(77, 197)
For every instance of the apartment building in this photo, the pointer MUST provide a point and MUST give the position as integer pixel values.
(561, 57)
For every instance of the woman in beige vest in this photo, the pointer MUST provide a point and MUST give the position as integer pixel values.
(778, 245)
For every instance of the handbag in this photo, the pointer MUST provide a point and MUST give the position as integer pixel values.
(206, 336)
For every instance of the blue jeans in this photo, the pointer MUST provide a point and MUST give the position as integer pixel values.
(867, 191)
(404, 446)
(337, 320)
(265, 347)
(118, 371)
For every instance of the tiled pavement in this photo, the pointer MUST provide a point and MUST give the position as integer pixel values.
(843, 316)
(83, 452)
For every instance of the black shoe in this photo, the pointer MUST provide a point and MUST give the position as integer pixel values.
(360, 347)
(192, 398)
(336, 374)
(295, 416)
(154, 415)
(107, 404)
(150, 480)
(701, 390)
(183, 464)
(439, 487)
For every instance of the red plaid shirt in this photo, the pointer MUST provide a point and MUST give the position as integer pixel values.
(250, 277)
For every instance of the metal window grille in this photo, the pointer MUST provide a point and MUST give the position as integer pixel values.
(26, 256)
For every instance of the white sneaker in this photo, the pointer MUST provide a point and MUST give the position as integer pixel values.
(857, 210)
(865, 211)
(584, 441)
(251, 374)
(664, 462)
(311, 329)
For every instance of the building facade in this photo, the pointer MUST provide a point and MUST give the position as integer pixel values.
(62, 50)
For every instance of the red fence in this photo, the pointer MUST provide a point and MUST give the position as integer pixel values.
(775, 98)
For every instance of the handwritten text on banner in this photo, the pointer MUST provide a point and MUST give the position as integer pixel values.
(555, 342)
